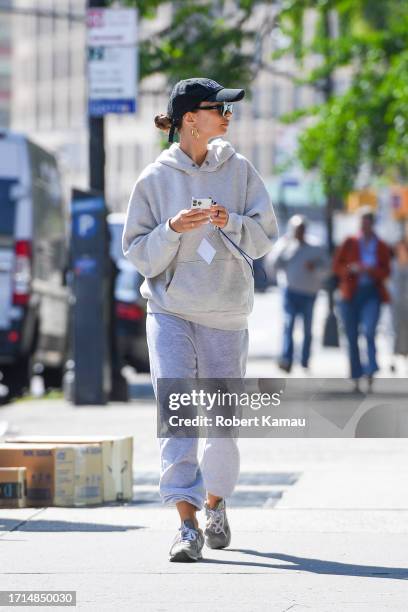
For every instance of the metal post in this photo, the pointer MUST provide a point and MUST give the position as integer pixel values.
(119, 389)
(96, 138)
(331, 332)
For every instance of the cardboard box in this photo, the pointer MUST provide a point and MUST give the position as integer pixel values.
(50, 472)
(117, 460)
(88, 477)
(57, 474)
(13, 487)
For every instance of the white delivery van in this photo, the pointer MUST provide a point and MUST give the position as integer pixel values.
(33, 261)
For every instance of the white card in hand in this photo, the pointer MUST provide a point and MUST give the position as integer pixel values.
(206, 251)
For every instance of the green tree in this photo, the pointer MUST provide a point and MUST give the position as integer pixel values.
(367, 124)
(204, 37)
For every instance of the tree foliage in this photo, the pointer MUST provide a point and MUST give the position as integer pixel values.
(204, 37)
(368, 123)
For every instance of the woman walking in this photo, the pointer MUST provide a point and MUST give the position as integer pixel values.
(199, 286)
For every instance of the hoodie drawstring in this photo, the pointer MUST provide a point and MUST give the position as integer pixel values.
(244, 255)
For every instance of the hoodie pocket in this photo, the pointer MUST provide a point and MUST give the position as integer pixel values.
(223, 285)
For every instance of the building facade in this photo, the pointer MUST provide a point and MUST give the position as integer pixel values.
(49, 100)
(5, 65)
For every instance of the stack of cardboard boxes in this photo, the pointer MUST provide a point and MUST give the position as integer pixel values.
(65, 470)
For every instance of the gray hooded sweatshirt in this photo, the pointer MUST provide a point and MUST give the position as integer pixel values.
(178, 280)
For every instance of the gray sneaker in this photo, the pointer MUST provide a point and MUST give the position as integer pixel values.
(217, 532)
(188, 543)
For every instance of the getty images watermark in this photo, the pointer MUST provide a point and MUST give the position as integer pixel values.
(266, 407)
(231, 400)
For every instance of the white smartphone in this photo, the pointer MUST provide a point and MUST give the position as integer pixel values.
(201, 202)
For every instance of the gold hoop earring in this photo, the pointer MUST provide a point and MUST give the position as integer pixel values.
(195, 133)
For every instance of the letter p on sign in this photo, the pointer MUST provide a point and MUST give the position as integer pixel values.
(86, 225)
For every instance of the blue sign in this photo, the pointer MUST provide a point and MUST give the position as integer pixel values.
(87, 205)
(85, 266)
(99, 108)
(85, 225)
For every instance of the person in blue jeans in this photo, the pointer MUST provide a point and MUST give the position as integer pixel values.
(362, 264)
(362, 313)
(302, 266)
(296, 304)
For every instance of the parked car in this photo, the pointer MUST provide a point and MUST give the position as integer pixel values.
(130, 306)
(33, 256)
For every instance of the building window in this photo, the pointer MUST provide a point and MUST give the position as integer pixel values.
(4, 118)
(61, 103)
(297, 97)
(129, 158)
(256, 156)
(4, 83)
(45, 108)
(77, 111)
(274, 155)
(44, 25)
(119, 158)
(138, 156)
(318, 96)
(60, 64)
(256, 102)
(275, 101)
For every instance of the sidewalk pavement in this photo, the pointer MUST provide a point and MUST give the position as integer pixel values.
(317, 524)
(279, 560)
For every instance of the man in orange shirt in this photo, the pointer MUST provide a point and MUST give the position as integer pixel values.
(362, 264)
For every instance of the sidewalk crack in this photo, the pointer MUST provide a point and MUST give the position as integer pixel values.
(23, 522)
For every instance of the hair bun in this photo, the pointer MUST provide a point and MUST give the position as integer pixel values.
(163, 122)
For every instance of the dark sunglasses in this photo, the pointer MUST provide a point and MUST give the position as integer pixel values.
(223, 109)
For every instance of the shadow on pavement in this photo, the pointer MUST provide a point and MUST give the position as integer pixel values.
(268, 478)
(245, 478)
(315, 566)
(9, 525)
(261, 496)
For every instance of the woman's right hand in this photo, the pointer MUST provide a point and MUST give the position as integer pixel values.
(189, 219)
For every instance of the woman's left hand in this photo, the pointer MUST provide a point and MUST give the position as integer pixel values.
(219, 215)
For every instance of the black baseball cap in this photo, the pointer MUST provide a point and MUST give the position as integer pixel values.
(188, 94)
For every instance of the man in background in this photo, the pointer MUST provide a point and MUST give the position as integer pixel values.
(362, 264)
(301, 267)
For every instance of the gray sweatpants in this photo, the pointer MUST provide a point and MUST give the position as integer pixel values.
(182, 349)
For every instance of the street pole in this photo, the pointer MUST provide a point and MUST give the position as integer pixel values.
(97, 158)
(331, 332)
(97, 154)
(96, 138)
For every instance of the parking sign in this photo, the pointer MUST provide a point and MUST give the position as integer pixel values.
(112, 61)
